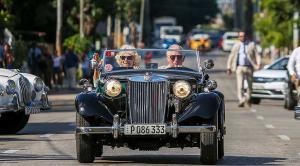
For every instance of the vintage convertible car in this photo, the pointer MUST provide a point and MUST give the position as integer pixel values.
(151, 105)
(21, 94)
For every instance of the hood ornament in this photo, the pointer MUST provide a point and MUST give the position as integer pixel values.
(148, 76)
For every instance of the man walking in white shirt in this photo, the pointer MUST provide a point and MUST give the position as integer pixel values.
(294, 68)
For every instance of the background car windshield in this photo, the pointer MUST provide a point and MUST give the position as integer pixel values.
(150, 59)
(280, 64)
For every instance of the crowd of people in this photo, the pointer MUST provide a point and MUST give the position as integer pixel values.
(56, 70)
(6, 55)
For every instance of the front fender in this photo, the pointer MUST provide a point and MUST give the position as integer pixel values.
(203, 105)
(90, 105)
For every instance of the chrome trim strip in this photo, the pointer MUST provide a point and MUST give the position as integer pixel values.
(268, 96)
(25, 90)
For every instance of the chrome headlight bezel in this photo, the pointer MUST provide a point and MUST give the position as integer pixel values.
(11, 87)
(112, 88)
(38, 84)
(182, 89)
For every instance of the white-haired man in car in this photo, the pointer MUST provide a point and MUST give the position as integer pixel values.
(174, 57)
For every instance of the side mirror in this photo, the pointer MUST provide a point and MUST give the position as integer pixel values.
(86, 84)
(285, 67)
(266, 66)
(209, 64)
(83, 81)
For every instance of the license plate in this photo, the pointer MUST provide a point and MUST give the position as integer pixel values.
(32, 110)
(258, 86)
(142, 129)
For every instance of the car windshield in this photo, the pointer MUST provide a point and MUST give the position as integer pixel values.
(279, 65)
(141, 59)
(172, 31)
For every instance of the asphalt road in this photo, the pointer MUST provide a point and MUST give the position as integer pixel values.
(265, 134)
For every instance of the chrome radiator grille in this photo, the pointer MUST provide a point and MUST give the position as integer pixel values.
(25, 89)
(147, 101)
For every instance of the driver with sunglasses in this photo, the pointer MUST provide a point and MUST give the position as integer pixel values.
(174, 58)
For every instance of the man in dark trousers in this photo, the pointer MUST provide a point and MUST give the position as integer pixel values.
(71, 65)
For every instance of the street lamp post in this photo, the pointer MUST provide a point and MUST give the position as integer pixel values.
(295, 30)
(142, 20)
(81, 18)
(58, 27)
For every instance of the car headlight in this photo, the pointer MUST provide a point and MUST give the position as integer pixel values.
(38, 84)
(112, 88)
(181, 89)
(11, 87)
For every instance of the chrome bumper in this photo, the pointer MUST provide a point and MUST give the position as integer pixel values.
(42, 104)
(172, 129)
(37, 106)
(267, 94)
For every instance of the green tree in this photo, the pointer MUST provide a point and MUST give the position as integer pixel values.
(128, 10)
(77, 43)
(6, 17)
(275, 22)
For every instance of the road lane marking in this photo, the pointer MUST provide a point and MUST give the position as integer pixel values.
(269, 126)
(9, 151)
(46, 135)
(260, 117)
(284, 137)
(253, 110)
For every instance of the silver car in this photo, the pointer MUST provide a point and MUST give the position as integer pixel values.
(21, 94)
(273, 82)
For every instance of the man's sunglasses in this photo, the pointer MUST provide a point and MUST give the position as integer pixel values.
(173, 57)
(126, 57)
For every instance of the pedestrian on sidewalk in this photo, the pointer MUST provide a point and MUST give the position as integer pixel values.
(2, 58)
(8, 56)
(243, 60)
(57, 70)
(71, 65)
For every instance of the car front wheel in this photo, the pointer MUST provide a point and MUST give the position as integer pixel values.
(290, 100)
(84, 143)
(255, 100)
(209, 145)
(13, 122)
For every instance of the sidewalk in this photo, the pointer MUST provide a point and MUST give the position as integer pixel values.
(61, 91)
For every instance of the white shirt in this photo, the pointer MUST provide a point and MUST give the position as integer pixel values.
(242, 58)
(294, 63)
(57, 61)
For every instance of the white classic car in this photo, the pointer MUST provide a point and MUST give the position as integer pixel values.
(21, 94)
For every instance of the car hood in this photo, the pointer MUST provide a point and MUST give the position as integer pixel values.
(7, 73)
(271, 73)
(30, 77)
